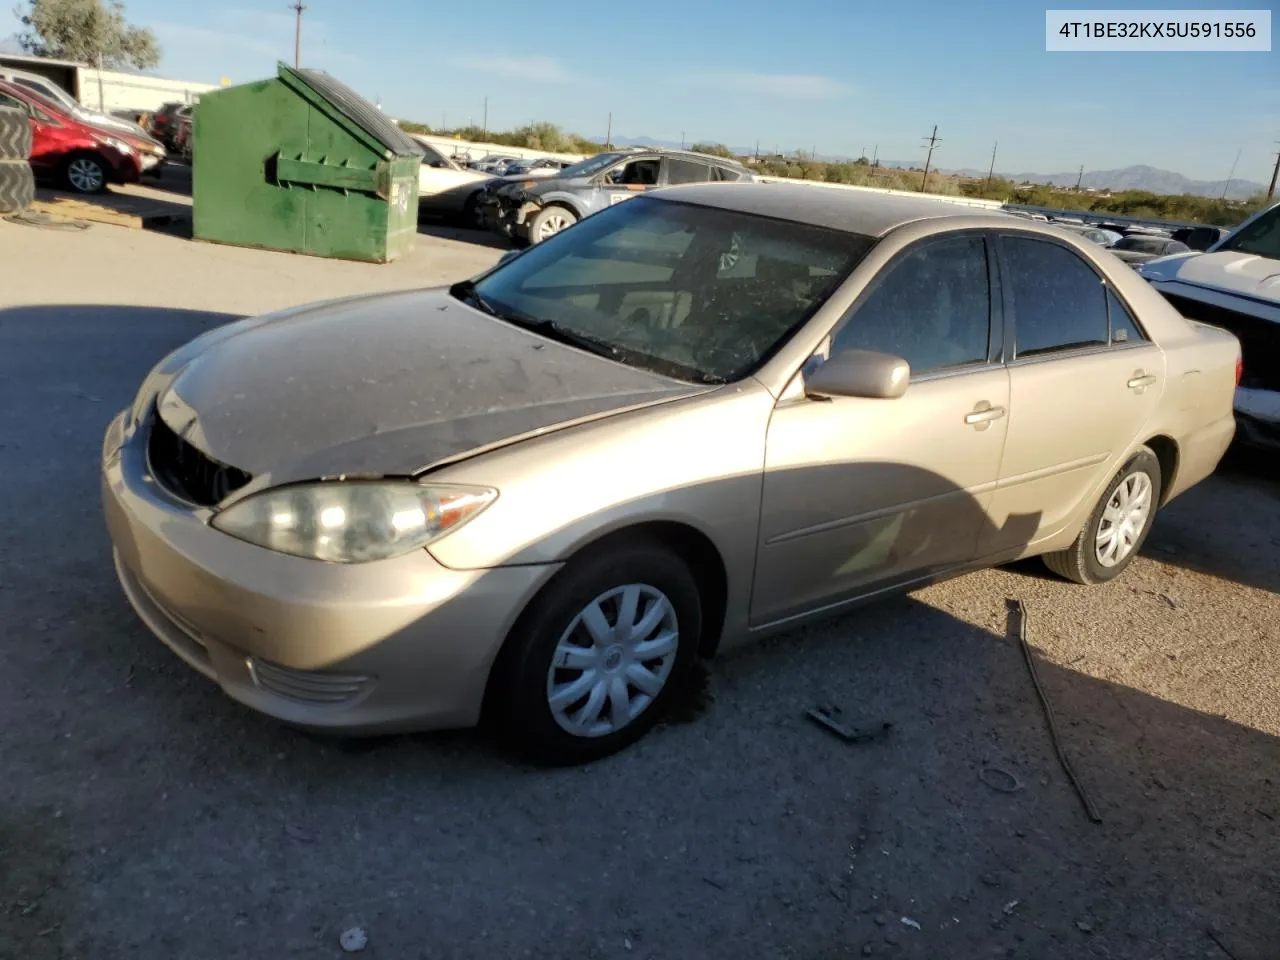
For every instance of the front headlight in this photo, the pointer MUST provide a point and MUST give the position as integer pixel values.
(352, 521)
(117, 144)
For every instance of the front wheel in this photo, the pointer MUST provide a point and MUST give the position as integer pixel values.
(549, 221)
(85, 173)
(592, 664)
(1117, 527)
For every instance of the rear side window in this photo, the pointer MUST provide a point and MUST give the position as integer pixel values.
(687, 171)
(1058, 302)
(13, 103)
(1124, 328)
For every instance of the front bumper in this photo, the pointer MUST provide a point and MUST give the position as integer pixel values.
(507, 218)
(400, 644)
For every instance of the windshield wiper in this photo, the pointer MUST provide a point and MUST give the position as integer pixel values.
(465, 290)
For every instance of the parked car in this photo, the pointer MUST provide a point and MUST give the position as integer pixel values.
(1236, 286)
(534, 167)
(445, 187)
(81, 157)
(46, 88)
(166, 121)
(1199, 238)
(697, 418)
(1103, 238)
(1135, 248)
(492, 163)
(533, 210)
(182, 137)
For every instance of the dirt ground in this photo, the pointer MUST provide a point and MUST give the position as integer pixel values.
(143, 814)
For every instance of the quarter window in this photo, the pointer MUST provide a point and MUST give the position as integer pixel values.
(1124, 328)
(1058, 301)
(932, 308)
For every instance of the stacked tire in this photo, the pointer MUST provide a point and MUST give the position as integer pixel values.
(17, 185)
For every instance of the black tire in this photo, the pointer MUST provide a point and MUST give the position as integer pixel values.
(518, 701)
(546, 214)
(1080, 562)
(15, 134)
(87, 158)
(17, 186)
(470, 216)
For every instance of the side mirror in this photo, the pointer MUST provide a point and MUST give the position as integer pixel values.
(859, 373)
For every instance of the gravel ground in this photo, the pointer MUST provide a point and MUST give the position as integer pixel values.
(142, 814)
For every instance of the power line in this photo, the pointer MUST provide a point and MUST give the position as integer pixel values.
(933, 141)
(297, 7)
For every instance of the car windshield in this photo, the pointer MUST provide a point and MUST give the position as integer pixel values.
(1260, 238)
(585, 168)
(1142, 244)
(696, 293)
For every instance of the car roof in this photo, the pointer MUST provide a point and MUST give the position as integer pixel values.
(853, 211)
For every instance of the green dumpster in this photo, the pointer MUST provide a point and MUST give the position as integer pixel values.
(305, 164)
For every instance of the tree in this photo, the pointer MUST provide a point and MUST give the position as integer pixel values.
(87, 31)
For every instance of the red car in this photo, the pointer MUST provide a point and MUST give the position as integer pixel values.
(78, 155)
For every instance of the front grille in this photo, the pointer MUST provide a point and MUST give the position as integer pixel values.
(1259, 339)
(306, 686)
(187, 472)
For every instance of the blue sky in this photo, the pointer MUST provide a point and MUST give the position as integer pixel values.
(798, 74)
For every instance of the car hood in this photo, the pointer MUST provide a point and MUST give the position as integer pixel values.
(386, 385)
(1229, 271)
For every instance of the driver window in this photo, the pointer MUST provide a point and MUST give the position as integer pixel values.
(637, 173)
(932, 307)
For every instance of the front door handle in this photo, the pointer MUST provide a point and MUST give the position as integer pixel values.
(983, 414)
(1141, 380)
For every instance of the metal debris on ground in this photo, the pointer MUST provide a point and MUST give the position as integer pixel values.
(827, 718)
(38, 218)
(353, 940)
(998, 778)
(908, 922)
(1011, 906)
(1027, 655)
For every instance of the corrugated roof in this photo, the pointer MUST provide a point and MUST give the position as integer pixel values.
(359, 111)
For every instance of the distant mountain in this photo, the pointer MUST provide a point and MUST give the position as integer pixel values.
(1141, 177)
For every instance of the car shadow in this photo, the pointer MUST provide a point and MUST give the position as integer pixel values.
(151, 813)
(448, 230)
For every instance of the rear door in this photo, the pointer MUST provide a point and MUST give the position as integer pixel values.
(677, 170)
(1084, 380)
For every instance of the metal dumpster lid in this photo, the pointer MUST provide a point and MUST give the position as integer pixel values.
(355, 108)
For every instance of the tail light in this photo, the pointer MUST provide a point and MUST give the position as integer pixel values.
(1239, 369)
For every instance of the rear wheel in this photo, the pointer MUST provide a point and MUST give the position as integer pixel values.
(1117, 527)
(85, 173)
(591, 665)
(549, 221)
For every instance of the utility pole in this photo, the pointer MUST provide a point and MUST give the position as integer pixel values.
(932, 140)
(484, 135)
(681, 139)
(297, 7)
(992, 171)
(875, 158)
(608, 136)
(1231, 176)
(1274, 174)
(1079, 178)
(757, 149)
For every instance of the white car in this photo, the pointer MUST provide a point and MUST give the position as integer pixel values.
(51, 91)
(445, 188)
(1235, 285)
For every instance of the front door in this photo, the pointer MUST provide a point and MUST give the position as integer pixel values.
(862, 493)
(638, 175)
(1083, 381)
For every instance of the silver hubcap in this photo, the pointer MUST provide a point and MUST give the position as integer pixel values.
(552, 225)
(85, 175)
(613, 660)
(1123, 519)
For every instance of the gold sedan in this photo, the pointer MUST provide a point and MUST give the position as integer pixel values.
(697, 417)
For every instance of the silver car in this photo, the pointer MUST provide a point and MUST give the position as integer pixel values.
(694, 419)
(534, 209)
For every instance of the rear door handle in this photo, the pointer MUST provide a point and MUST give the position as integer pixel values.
(1141, 379)
(983, 414)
